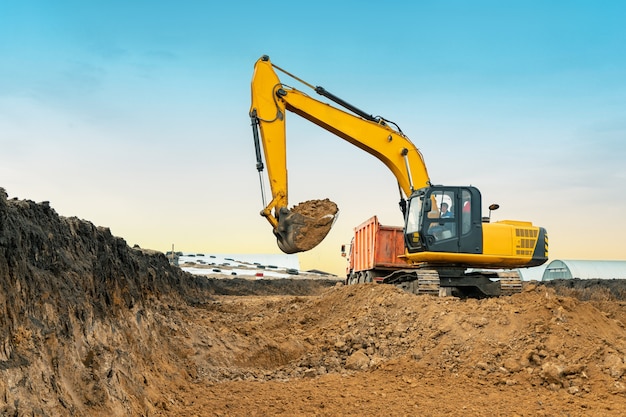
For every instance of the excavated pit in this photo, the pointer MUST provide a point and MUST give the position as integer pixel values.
(92, 327)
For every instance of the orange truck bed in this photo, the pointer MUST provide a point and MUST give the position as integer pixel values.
(376, 246)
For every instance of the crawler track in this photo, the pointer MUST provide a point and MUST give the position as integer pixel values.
(510, 283)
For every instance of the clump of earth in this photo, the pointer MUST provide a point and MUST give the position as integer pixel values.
(320, 215)
(304, 226)
(90, 326)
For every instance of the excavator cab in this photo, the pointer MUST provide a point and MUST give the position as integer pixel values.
(444, 219)
(444, 226)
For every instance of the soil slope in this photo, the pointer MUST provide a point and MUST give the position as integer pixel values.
(92, 327)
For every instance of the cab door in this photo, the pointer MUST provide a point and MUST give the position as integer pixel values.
(449, 220)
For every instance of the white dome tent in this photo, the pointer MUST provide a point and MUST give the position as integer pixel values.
(584, 269)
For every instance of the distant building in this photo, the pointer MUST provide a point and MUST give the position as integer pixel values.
(532, 274)
(581, 269)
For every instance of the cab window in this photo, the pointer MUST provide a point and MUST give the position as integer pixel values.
(441, 218)
(466, 211)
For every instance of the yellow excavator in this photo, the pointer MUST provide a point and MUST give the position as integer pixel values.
(450, 248)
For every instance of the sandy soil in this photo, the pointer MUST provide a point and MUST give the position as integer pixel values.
(375, 350)
(92, 327)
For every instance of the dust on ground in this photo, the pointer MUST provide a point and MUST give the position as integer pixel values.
(92, 327)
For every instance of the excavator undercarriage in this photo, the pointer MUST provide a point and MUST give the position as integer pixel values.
(454, 282)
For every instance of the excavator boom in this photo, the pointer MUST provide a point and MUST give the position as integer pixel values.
(301, 230)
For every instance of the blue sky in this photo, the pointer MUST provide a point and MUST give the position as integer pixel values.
(134, 115)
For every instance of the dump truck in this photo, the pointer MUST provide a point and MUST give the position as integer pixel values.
(375, 251)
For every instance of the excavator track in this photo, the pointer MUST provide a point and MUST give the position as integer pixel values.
(477, 285)
(423, 281)
(510, 283)
(428, 282)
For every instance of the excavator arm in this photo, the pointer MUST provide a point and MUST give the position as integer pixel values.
(306, 225)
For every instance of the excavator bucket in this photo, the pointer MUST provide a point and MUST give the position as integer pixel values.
(304, 226)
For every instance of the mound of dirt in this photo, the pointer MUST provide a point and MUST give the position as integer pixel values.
(264, 287)
(81, 315)
(373, 349)
(590, 289)
(92, 327)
